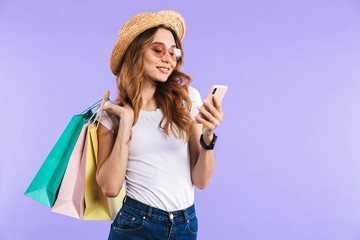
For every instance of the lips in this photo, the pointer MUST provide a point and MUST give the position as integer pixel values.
(164, 70)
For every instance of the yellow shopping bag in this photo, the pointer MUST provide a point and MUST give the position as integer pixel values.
(97, 205)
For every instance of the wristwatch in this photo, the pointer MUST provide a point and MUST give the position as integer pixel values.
(212, 143)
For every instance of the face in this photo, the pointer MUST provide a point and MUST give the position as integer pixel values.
(159, 68)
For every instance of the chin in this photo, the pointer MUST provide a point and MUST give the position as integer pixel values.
(160, 79)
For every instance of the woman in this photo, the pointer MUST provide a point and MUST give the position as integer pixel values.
(155, 145)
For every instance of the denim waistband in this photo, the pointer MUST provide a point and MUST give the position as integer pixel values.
(152, 212)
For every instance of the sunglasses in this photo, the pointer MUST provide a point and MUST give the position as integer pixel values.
(159, 50)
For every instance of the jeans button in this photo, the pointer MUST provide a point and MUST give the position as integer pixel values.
(171, 216)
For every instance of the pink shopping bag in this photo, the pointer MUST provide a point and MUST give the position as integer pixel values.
(70, 200)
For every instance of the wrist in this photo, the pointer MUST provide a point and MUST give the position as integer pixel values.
(124, 131)
(208, 145)
(207, 139)
(126, 121)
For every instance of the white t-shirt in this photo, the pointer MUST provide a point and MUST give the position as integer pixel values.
(158, 169)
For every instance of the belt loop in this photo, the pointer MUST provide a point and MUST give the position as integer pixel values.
(124, 199)
(149, 212)
(185, 216)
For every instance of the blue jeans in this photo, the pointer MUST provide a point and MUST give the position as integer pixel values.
(136, 221)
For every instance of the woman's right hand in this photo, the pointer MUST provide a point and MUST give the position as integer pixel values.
(125, 112)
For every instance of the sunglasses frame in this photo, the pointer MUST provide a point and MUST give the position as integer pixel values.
(177, 52)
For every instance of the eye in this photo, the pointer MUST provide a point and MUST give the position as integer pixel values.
(158, 48)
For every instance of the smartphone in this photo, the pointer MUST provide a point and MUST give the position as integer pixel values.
(217, 90)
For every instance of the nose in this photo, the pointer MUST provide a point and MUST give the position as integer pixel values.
(166, 57)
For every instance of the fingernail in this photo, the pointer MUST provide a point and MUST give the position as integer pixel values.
(205, 101)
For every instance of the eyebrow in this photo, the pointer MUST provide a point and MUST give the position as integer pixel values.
(163, 44)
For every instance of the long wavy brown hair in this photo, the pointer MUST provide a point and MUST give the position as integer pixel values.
(171, 96)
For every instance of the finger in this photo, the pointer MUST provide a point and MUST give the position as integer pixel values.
(103, 106)
(205, 113)
(109, 106)
(213, 111)
(200, 119)
(105, 95)
(220, 111)
(102, 102)
(206, 124)
(210, 107)
(217, 102)
(211, 120)
(218, 105)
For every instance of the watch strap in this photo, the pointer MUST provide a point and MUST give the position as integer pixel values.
(212, 143)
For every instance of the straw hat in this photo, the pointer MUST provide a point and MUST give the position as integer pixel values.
(140, 23)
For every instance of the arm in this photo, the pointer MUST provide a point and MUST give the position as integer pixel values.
(113, 150)
(202, 160)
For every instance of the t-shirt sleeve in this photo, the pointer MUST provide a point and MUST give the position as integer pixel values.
(196, 101)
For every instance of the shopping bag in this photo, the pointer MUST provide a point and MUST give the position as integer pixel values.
(45, 185)
(116, 203)
(70, 200)
(97, 205)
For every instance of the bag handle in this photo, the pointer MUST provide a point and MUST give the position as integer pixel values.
(95, 105)
(94, 115)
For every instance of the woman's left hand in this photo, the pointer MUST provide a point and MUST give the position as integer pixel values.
(210, 116)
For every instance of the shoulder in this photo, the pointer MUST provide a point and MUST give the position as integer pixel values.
(194, 94)
(195, 101)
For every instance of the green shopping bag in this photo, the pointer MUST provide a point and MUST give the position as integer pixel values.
(45, 185)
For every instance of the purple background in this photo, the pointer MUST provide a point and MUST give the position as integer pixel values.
(288, 153)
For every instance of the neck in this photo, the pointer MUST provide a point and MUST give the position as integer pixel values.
(147, 96)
